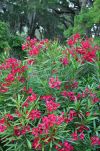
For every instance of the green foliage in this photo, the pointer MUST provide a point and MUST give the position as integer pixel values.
(4, 37)
(82, 22)
(26, 87)
(85, 21)
(95, 12)
(15, 43)
(68, 32)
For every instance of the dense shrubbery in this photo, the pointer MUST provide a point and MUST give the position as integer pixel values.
(4, 37)
(10, 43)
(50, 101)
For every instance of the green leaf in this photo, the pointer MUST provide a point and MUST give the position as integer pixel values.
(29, 144)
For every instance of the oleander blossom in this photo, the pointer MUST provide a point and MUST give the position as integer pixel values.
(34, 114)
(54, 83)
(66, 146)
(52, 106)
(95, 140)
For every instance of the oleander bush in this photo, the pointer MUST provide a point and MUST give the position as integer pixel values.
(50, 101)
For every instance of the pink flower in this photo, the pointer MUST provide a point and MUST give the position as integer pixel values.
(25, 104)
(52, 106)
(68, 146)
(17, 131)
(95, 140)
(34, 51)
(76, 36)
(87, 114)
(3, 89)
(74, 136)
(18, 113)
(28, 38)
(64, 61)
(24, 47)
(72, 113)
(30, 91)
(2, 128)
(70, 95)
(33, 42)
(82, 128)
(25, 129)
(95, 100)
(36, 144)
(32, 98)
(10, 77)
(2, 121)
(82, 136)
(86, 44)
(90, 56)
(75, 84)
(31, 62)
(34, 114)
(54, 83)
(47, 98)
(64, 93)
(9, 116)
(70, 42)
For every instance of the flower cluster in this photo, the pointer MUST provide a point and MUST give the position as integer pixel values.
(14, 73)
(66, 147)
(54, 83)
(82, 50)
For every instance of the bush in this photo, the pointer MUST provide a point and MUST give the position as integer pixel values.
(4, 37)
(45, 105)
(15, 43)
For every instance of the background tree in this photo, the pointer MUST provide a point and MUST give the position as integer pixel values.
(56, 17)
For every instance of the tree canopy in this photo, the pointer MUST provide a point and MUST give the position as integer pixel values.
(52, 18)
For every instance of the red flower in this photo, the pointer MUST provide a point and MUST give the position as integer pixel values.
(54, 83)
(34, 114)
(64, 93)
(2, 128)
(36, 144)
(87, 114)
(32, 98)
(70, 42)
(34, 51)
(25, 129)
(64, 61)
(3, 89)
(31, 62)
(52, 106)
(72, 113)
(47, 98)
(25, 104)
(76, 36)
(66, 146)
(86, 44)
(95, 100)
(2, 121)
(10, 77)
(74, 136)
(95, 140)
(24, 47)
(9, 116)
(75, 84)
(82, 136)
(17, 131)
(90, 56)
